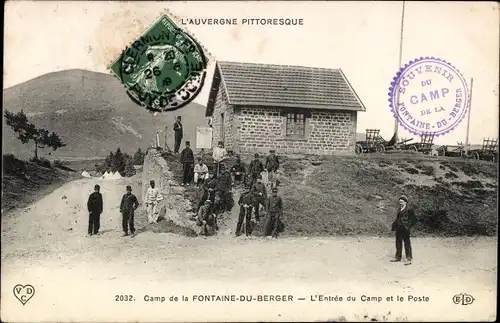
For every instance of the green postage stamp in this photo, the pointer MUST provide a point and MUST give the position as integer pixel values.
(164, 69)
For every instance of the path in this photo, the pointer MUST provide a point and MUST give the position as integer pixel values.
(45, 245)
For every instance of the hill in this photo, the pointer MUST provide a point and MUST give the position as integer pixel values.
(25, 182)
(92, 113)
(357, 195)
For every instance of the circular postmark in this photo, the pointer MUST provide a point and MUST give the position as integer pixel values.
(429, 96)
(164, 69)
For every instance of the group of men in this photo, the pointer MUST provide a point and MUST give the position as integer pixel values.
(217, 197)
(129, 203)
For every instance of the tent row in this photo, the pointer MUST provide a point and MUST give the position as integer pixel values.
(107, 175)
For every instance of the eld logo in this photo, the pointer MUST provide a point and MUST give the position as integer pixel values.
(463, 299)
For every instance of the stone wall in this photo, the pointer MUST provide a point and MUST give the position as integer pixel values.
(222, 106)
(174, 206)
(326, 132)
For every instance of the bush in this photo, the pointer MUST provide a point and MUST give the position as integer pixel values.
(57, 163)
(42, 162)
(12, 165)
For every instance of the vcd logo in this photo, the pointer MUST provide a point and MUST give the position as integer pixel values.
(463, 299)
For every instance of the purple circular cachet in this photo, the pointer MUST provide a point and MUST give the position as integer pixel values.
(429, 96)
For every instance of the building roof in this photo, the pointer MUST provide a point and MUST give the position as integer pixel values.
(250, 84)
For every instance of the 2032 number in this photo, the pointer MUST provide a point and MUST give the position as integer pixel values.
(124, 298)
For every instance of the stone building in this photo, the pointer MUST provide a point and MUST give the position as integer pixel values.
(292, 109)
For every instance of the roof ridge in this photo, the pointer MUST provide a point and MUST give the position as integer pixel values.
(279, 65)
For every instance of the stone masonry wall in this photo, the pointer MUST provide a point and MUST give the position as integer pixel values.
(222, 106)
(327, 132)
(174, 206)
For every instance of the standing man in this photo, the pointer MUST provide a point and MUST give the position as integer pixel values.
(224, 184)
(187, 161)
(178, 132)
(153, 197)
(259, 193)
(405, 220)
(219, 154)
(246, 203)
(127, 207)
(275, 213)
(94, 206)
(238, 171)
(255, 169)
(200, 172)
(272, 165)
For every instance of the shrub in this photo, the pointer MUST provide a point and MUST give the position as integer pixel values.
(12, 165)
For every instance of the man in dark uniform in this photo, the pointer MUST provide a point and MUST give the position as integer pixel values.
(178, 134)
(272, 165)
(206, 217)
(259, 193)
(246, 203)
(94, 206)
(208, 188)
(224, 184)
(405, 220)
(255, 169)
(275, 213)
(127, 207)
(238, 171)
(187, 161)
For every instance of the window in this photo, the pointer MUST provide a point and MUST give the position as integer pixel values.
(295, 124)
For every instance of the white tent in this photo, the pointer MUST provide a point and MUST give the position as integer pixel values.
(106, 175)
(116, 175)
(86, 174)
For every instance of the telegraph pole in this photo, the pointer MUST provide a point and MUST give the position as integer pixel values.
(399, 66)
(467, 145)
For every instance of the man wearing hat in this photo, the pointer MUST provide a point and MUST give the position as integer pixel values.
(259, 193)
(272, 165)
(246, 203)
(205, 217)
(128, 205)
(255, 169)
(187, 161)
(405, 220)
(153, 197)
(275, 213)
(224, 184)
(208, 188)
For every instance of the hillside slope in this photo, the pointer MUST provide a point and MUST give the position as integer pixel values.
(92, 113)
(352, 195)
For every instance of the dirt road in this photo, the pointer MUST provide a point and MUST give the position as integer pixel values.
(77, 277)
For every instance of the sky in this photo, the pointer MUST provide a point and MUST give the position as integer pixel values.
(361, 38)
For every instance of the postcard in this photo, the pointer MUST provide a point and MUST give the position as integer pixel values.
(230, 161)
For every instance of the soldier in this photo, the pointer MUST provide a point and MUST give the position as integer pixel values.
(153, 197)
(275, 213)
(187, 161)
(128, 205)
(405, 220)
(219, 155)
(206, 217)
(178, 131)
(246, 203)
(208, 188)
(272, 165)
(255, 169)
(94, 206)
(259, 193)
(224, 184)
(238, 171)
